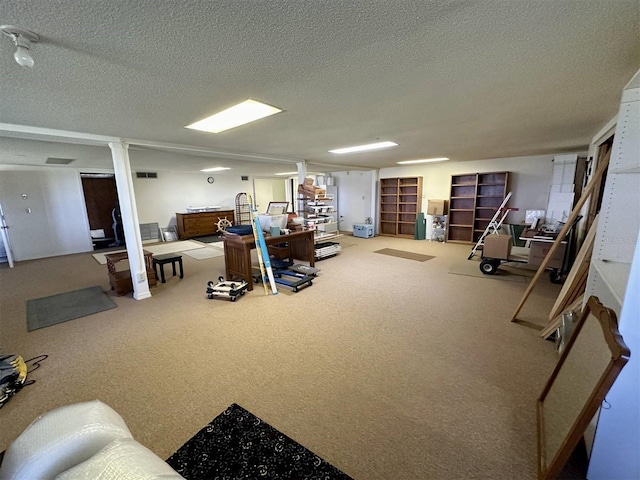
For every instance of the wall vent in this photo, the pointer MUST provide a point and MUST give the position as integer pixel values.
(149, 231)
(244, 177)
(146, 174)
(59, 161)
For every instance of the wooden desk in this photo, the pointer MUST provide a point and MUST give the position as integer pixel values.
(237, 252)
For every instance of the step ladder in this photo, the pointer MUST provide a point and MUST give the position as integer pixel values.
(494, 224)
(261, 248)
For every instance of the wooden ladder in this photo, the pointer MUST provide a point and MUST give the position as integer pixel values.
(494, 224)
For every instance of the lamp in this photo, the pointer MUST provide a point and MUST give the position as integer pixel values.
(22, 39)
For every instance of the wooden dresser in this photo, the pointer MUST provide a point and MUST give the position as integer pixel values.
(201, 223)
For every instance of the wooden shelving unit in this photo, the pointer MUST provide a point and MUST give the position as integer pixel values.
(400, 203)
(474, 199)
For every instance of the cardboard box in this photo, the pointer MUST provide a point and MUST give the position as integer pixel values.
(497, 246)
(539, 251)
(436, 207)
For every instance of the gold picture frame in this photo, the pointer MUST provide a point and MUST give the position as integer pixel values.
(591, 361)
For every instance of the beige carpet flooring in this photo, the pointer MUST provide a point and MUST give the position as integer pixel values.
(388, 369)
(157, 249)
(204, 253)
(471, 268)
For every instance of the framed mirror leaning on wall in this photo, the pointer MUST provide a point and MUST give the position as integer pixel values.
(588, 366)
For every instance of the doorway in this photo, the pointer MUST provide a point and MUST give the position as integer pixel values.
(269, 190)
(5, 246)
(101, 202)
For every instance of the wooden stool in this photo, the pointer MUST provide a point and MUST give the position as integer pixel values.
(161, 260)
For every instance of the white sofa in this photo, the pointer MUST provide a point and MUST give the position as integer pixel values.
(86, 440)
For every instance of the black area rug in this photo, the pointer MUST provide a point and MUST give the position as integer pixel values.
(47, 311)
(238, 445)
(209, 239)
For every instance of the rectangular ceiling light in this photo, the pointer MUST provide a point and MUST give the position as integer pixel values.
(245, 112)
(215, 169)
(424, 160)
(364, 148)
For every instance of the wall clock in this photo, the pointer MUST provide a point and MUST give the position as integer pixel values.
(210, 179)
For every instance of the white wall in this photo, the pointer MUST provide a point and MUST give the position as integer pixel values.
(57, 224)
(159, 199)
(355, 197)
(528, 179)
(270, 190)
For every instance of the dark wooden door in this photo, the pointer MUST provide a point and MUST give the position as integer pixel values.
(101, 197)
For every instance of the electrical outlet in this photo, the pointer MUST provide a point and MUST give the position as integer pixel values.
(141, 277)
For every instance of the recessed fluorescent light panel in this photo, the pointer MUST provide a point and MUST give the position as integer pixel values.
(364, 148)
(245, 112)
(215, 169)
(424, 160)
(309, 174)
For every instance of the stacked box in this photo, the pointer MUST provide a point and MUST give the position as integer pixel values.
(436, 207)
(497, 246)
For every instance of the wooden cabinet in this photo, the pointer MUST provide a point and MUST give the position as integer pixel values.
(474, 200)
(400, 203)
(201, 223)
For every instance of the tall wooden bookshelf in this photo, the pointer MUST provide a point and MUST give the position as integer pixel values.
(474, 200)
(400, 203)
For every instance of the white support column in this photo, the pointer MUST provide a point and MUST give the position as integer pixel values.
(302, 174)
(375, 204)
(129, 214)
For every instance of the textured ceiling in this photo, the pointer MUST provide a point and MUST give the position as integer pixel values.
(463, 79)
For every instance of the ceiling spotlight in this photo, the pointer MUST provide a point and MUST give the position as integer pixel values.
(22, 39)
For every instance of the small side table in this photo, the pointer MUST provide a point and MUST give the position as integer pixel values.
(161, 260)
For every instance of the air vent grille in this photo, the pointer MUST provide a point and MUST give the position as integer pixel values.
(146, 174)
(245, 177)
(59, 161)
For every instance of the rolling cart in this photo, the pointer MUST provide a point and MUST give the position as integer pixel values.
(497, 250)
(292, 276)
(226, 289)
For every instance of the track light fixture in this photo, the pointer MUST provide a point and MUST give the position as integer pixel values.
(22, 39)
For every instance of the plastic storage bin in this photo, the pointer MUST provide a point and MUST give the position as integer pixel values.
(364, 230)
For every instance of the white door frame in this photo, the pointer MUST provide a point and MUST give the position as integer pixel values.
(4, 233)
